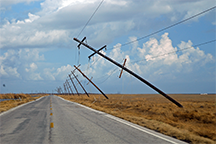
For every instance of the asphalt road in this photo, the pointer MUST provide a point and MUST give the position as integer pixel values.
(54, 120)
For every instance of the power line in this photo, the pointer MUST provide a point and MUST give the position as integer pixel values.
(152, 34)
(177, 50)
(109, 75)
(165, 28)
(114, 70)
(204, 43)
(90, 18)
(159, 56)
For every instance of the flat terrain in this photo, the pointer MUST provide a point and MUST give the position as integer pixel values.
(54, 120)
(195, 123)
(14, 100)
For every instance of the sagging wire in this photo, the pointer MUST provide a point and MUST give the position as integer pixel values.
(130, 42)
(90, 18)
(107, 76)
(204, 43)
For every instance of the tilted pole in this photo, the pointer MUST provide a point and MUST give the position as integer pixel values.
(61, 90)
(73, 84)
(65, 88)
(69, 86)
(80, 84)
(131, 72)
(90, 81)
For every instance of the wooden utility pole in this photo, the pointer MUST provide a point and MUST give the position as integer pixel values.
(90, 81)
(61, 90)
(130, 72)
(69, 86)
(58, 90)
(73, 84)
(65, 88)
(79, 83)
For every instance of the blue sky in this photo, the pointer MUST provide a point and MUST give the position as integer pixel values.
(37, 50)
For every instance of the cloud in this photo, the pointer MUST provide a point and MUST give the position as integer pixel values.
(24, 36)
(35, 76)
(49, 6)
(48, 75)
(194, 55)
(158, 59)
(3, 72)
(62, 72)
(9, 72)
(12, 2)
(59, 21)
(29, 20)
(20, 64)
(157, 49)
(32, 67)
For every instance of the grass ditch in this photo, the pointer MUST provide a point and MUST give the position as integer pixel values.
(16, 99)
(195, 123)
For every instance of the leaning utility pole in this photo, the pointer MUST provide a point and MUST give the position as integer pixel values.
(69, 86)
(131, 72)
(90, 81)
(61, 90)
(73, 84)
(65, 91)
(79, 83)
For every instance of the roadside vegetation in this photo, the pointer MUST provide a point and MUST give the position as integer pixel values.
(14, 100)
(195, 123)
(14, 96)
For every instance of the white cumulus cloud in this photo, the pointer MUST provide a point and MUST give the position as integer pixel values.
(157, 59)
(59, 21)
(21, 64)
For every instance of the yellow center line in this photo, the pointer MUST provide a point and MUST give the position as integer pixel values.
(52, 125)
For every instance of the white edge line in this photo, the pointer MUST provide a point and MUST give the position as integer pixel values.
(12, 109)
(134, 126)
(122, 121)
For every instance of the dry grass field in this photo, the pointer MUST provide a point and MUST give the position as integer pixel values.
(14, 96)
(195, 123)
(17, 99)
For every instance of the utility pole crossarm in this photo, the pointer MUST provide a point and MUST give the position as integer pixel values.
(131, 72)
(97, 50)
(122, 69)
(82, 41)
